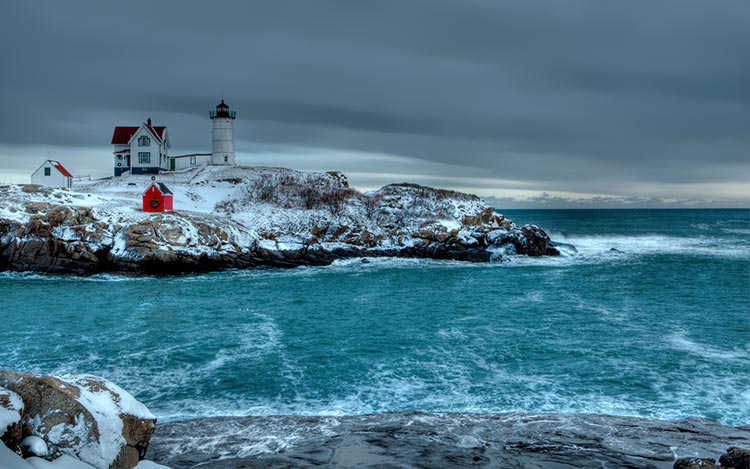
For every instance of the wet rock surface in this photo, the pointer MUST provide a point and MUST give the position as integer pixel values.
(417, 440)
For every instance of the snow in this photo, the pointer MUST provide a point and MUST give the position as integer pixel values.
(450, 225)
(105, 401)
(63, 462)
(35, 445)
(10, 460)
(10, 414)
(149, 465)
(267, 244)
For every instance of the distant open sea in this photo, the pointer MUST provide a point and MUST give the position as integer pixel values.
(650, 318)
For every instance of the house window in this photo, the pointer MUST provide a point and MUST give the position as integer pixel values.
(144, 157)
(144, 141)
(192, 160)
(47, 171)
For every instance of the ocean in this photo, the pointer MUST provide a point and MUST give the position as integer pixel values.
(649, 318)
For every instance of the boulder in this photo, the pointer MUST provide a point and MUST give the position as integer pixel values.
(34, 446)
(736, 458)
(695, 463)
(83, 416)
(533, 241)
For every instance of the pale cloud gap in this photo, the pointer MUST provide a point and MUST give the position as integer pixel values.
(545, 200)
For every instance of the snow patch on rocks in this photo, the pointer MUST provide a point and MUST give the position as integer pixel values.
(11, 406)
(106, 397)
(34, 446)
(81, 416)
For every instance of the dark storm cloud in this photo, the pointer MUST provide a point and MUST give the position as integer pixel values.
(573, 94)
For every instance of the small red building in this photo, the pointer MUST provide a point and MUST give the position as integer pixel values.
(157, 198)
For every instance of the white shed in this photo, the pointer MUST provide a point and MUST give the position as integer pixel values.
(192, 160)
(52, 173)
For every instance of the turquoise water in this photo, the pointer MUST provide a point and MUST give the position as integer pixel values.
(658, 327)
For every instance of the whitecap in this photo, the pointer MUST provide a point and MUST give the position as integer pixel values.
(615, 247)
(680, 341)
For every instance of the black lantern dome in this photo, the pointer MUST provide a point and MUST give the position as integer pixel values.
(222, 110)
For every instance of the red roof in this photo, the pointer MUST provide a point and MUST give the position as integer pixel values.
(123, 134)
(158, 132)
(60, 168)
(161, 188)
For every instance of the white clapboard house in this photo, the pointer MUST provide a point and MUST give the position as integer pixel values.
(51, 173)
(141, 150)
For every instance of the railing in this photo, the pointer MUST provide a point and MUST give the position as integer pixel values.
(184, 176)
(200, 169)
(229, 114)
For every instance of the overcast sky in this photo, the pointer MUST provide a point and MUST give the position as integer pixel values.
(535, 103)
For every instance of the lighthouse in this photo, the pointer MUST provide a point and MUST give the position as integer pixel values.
(222, 135)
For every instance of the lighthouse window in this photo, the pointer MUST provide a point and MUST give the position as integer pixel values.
(144, 141)
(47, 171)
(226, 158)
(144, 157)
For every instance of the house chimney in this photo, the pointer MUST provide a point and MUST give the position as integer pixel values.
(149, 122)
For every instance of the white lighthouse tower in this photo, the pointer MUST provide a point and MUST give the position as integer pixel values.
(222, 135)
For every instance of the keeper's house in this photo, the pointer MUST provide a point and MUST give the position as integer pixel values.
(141, 150)
(51, 173)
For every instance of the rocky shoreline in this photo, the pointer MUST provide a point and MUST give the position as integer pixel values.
(82, 421)
(419, 440)
(246, 218)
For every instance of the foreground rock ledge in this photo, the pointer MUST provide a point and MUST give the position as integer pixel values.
(418, 440)
(81, 416)
(241, 217)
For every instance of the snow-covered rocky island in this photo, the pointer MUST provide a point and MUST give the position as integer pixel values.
(241, 217)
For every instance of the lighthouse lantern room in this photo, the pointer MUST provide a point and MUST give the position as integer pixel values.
(222, 135)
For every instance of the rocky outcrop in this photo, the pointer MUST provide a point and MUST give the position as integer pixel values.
(268, 217)
(695, 463)
(55, 239)
(736, 458)
(82, 416)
